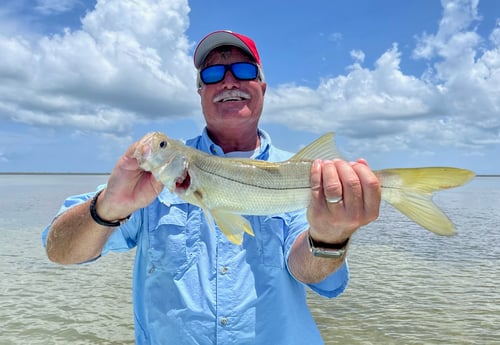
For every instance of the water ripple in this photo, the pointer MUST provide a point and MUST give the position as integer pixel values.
(407, 286)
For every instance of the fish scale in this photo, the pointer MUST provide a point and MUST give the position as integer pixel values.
(226, 188)
(251, 189)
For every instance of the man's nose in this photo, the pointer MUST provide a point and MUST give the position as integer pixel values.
(229, 79)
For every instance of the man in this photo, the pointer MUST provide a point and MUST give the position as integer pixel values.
(193, 286)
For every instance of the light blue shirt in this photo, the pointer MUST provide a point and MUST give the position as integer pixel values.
(192, 286)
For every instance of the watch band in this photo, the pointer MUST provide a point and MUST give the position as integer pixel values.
(98, 219)
(327, 250)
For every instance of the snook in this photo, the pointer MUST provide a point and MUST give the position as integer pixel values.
(226, 188)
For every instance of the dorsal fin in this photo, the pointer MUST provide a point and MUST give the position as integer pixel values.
(322, 148)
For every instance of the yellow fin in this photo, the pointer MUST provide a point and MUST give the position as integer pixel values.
(410, 191)
(232, 225)
(322, 148)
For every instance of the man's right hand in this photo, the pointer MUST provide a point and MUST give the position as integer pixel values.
(74, 237)
(129, 188)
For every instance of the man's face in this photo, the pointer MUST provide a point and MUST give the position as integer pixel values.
(231, 103)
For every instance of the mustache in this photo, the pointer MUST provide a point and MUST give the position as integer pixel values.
(231, 95)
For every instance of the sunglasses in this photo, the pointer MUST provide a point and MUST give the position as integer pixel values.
(240, 70)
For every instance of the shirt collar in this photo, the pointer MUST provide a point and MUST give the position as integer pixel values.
(207, 145)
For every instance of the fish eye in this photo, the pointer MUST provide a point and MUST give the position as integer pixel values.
(163, 144)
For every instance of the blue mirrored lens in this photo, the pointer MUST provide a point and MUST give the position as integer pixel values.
(240, 70)
(244, 70)
(213, 74)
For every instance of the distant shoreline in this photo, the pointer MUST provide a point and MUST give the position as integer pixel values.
(105, 173)
(51, 173)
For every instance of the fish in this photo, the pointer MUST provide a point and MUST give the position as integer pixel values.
(228, 188)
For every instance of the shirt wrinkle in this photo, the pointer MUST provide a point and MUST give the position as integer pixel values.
(192, 286)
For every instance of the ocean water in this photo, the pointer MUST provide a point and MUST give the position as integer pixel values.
(407, 286)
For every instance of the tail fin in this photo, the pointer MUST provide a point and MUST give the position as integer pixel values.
(410, 191)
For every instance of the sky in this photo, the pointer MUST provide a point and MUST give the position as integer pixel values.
(401, 83)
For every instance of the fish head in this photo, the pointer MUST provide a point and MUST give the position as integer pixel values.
(163, 157)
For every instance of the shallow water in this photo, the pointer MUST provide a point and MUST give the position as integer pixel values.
(407, 286)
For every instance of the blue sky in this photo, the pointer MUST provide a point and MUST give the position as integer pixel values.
(402, 83)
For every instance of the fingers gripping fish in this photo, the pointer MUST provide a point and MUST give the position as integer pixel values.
(227, 188)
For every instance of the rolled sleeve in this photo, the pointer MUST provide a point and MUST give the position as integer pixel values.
(333, 285)
(122, 239)
(68, 203)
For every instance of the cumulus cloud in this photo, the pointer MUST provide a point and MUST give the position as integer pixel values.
(358, 55)
(362, 99)
(455, 102)
(129, 60)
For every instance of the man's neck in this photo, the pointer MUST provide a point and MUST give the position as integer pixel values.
(235, 140)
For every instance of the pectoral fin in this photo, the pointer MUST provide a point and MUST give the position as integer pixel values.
(232, 225)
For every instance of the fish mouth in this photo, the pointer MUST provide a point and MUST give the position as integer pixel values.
(231, 96)
(182, 183)
(144, 150)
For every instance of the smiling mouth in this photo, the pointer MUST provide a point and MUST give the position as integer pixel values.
(231, 99)
(231, 96)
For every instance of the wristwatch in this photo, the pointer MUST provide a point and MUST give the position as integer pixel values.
(327, 250)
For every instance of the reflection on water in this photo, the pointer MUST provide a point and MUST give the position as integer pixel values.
(407, 286)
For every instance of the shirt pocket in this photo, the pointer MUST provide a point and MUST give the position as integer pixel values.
(270, 238)
(174, 240)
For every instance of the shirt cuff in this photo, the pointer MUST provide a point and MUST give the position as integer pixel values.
(333, 285)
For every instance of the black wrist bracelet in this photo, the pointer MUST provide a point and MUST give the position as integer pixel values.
(328, 245)
(98, 219)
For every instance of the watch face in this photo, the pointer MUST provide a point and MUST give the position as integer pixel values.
(324, 252)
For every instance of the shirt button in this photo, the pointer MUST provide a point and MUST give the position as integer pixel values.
(223, 270)
(223, 321)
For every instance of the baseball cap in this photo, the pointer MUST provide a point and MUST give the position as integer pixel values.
(224, 38)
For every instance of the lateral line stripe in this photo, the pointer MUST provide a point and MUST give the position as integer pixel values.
(243, 183)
